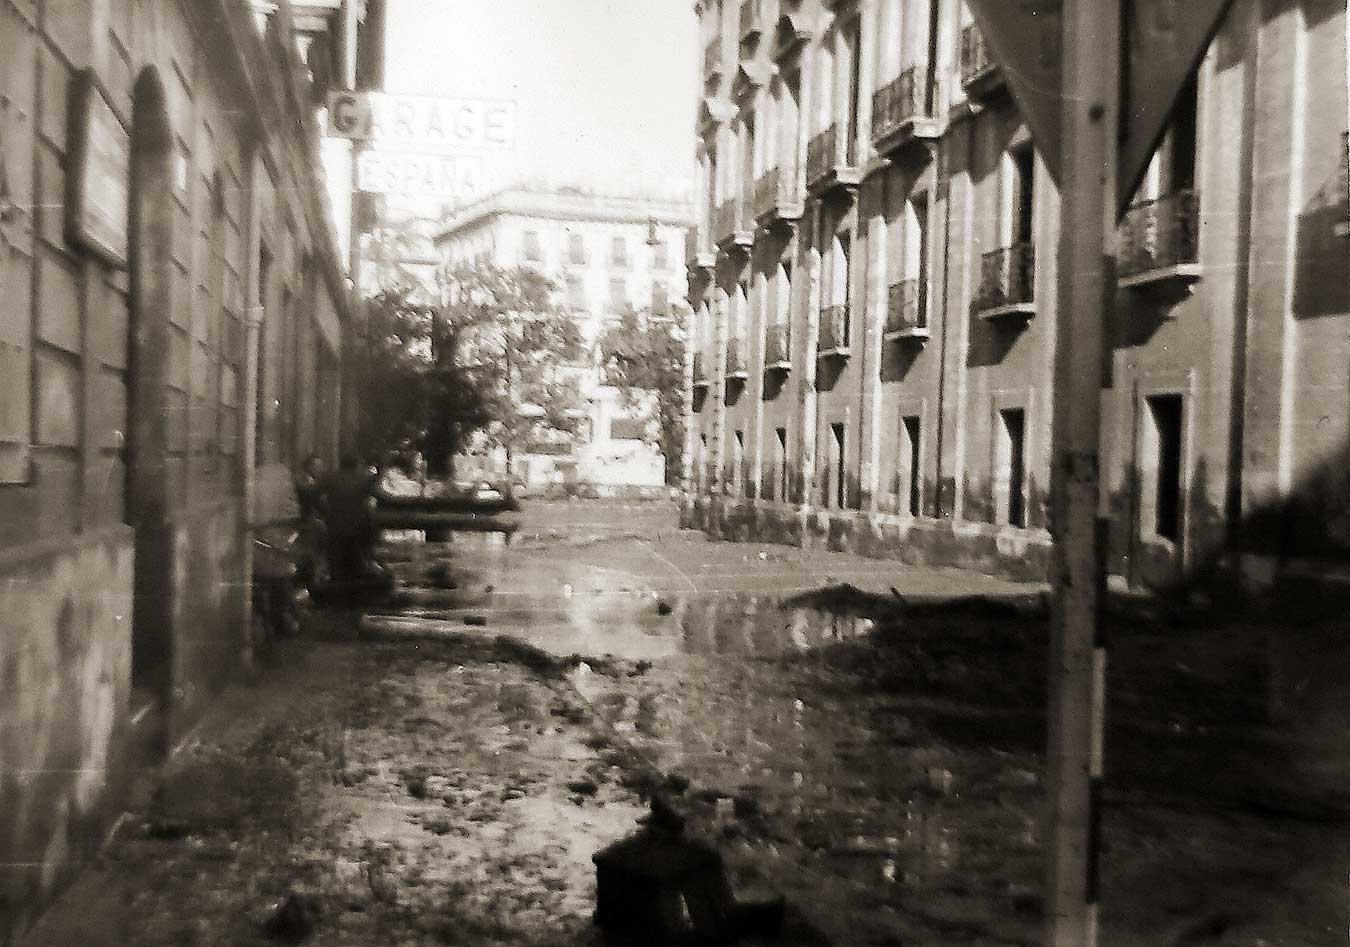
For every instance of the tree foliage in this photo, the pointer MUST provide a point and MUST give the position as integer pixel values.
(482, 350)
(517, 344)
(643, 356)
(412, 393)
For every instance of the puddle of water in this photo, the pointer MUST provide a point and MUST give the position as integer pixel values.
(807, 778)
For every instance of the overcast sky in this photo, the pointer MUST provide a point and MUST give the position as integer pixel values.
(604, 88)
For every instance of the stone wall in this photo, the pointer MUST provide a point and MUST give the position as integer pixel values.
(65, 685)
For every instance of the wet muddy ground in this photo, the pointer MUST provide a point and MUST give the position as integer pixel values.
(439, 769)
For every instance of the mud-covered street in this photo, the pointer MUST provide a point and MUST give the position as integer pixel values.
(861, 736)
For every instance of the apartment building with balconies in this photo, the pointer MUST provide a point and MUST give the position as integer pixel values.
(873, 274)
(608, 254)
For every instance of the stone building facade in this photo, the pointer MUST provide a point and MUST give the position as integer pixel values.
(607, 254)
(873, 272)
(170, 336)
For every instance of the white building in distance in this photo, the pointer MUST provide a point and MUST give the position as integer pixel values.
(608, 254)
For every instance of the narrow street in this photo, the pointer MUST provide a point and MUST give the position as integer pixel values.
(440, 770)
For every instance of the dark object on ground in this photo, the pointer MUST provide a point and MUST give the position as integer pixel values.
(370, 586)
(293, 919)
(477, 621)
(440, 576)
(656, 886)
(584, 787)
(663, 608)
(470, 511)
(167, 829)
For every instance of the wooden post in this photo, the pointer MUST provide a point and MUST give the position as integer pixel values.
(1090, 104)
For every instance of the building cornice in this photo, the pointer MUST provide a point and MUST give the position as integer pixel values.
(569, 207)
(262, 74)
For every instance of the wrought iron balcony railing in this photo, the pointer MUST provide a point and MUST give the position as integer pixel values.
(698, 246)
(905, 305)
(976, 62)
(725, 220)
(776, 195)
(777, 351)
(1007, 281)
(902, 100)
(821, 153)
(736, 363)
(1160, 234)
(832, 337)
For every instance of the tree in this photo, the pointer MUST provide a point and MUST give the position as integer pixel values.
(411, 391)
(516, 346)
(644, 355)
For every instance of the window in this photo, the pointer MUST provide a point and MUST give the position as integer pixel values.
(836, 494)
(780, 464)
(660, 299)
(576, 291)
(912, 485)
(576, 249)
(618, 252)
(1010, 455)
(533, 251)
(1165, 413)
(851, 48)
(1021, 166)
(748, 157)
(789, 118)
(618, 296)
(918, 255)
(738, 478)
(661, 256)
(260, 409)
(1179, 144)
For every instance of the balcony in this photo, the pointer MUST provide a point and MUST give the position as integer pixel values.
(776, 197)
(980, 75)
(824, 166)
(1007, 283)
(698, 251)
(700, 372)
(1160, 243)
(901, 112)
(712, 61)
(832, 338)
(906, 315)
(730, 228)
(736, 361)
(777, 350)
(751, 17)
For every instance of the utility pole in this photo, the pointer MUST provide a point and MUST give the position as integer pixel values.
(1090, 126)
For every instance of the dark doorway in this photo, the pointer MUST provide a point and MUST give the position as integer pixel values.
(910, 428)
(1166, 413)
(1014, 427)
(781, 461)
(839, 495)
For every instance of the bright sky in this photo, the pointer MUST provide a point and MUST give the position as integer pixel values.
(604, 88)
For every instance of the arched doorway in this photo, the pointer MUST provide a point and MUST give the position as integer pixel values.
(151, 236)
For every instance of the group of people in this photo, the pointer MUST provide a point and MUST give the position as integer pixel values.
(337, 521)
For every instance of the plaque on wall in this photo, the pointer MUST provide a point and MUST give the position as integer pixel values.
(98, 173)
